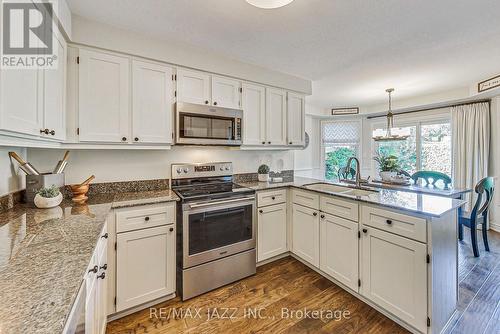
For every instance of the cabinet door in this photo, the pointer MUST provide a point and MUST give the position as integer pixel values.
(54, 87)
(305, 234)
(226, 92)
(295, 119)
(145, 266)
(254, 114)
(276, 116)
(339, 249)
(193, 87)
(91, 306)
(20, 101)
(104, 96)
(271, 231)
(394, 275)
(152, 103)
(102, 290)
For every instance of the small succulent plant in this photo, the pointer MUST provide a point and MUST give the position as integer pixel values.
(263, 169)
(49, 192)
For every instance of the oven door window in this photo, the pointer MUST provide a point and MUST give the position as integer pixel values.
(209, 127)
(219, 228)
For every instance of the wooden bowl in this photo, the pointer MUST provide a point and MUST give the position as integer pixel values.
(79, 193)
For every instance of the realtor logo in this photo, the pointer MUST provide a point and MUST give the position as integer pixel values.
(27, 34)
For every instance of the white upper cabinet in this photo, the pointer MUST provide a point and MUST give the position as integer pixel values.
(104, 97)
(20, 108)
(254, 114)
(54, 87)
(276, 116)
(339, 249)
(193, 87)
(226, 92)
(295, 119)
(394, 275)
(152, 103)
(32, 102)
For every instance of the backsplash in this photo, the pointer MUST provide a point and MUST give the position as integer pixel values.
(8, 201)
(128, 186)
(287, 176)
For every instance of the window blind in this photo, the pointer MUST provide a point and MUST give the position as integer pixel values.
(341, 133)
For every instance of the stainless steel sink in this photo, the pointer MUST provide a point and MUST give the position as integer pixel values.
(360, 192)
(338, 189)
(331, 188)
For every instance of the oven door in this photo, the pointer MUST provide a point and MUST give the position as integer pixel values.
(214, 230)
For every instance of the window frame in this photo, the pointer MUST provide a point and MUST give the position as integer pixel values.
(359, 154)
(418, 122)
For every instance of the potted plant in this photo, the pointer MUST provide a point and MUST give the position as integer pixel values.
(263, 172)
(388, 166)
(48, 197)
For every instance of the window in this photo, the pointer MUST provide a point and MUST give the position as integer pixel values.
(405, 150)
(340, 141)
(436, 147)
(427, 148)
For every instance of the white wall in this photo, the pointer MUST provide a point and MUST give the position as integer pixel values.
(11, 177)
(108, 37)
(308, 160)
(128, 165)
(495, 160)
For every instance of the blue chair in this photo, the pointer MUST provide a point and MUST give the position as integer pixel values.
(431, 177)
(346, 173)
(479, 214)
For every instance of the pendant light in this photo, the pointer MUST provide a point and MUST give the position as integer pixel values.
(269, 4)
(391, 133)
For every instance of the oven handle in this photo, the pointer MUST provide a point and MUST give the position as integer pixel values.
(203, 205)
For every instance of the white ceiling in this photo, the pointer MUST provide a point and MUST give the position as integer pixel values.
(352, 49)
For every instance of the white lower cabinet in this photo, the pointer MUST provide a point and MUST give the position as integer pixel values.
(145, 265)
(271, 229)
(394, 275)
(96, 284)
(339, 249)
(305, 233)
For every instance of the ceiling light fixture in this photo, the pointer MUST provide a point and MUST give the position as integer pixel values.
(391, 133)
(269, 4)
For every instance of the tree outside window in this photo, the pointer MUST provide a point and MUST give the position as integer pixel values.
(340, 141)
(427, 148)
(405, 150)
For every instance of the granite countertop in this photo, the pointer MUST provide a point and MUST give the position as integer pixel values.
(412, 202)
(44, 254)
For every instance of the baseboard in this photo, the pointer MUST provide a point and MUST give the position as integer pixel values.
(495, 227)
(274, 258)
(141, 307)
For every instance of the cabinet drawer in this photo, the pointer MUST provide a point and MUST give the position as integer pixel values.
(403, 225)
(340, 208)
(305, 198)
(135, 218)
(271, 197)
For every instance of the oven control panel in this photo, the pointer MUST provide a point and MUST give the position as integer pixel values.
(186, 171)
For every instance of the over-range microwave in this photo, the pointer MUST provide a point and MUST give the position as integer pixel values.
(205, 125)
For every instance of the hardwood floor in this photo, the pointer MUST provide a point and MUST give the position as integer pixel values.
(287, 284)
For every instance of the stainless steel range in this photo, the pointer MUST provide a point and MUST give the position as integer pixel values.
(215, 226)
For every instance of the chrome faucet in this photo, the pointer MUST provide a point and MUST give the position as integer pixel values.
(358, 173)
